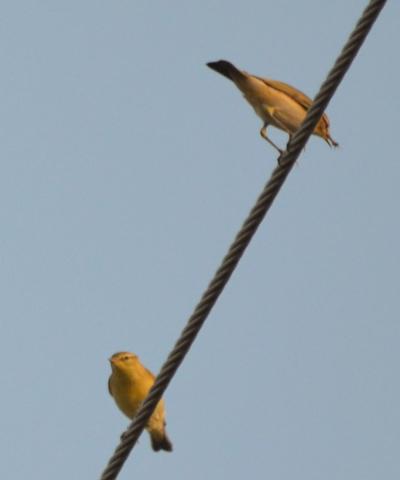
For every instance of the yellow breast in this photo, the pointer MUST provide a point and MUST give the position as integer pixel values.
(128, 395)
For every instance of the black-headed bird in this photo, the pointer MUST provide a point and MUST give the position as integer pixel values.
(276, 103)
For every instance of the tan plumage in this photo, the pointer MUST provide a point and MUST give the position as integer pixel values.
(129, 384)
(275, 102)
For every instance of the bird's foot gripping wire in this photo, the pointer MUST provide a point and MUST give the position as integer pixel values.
(263, 133)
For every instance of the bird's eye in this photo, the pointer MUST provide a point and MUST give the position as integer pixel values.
(126, 357)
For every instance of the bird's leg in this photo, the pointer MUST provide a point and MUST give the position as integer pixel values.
(279, 124)
(263, 133)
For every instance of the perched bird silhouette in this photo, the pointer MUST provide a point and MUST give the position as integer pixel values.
(129, 384)
(276, 103)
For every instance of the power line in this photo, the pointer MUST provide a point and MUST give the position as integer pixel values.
(243, 238)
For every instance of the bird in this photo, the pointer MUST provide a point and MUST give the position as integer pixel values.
(129, 384)
(276, 103)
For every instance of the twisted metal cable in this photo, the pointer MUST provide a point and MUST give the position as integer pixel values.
(243, 238)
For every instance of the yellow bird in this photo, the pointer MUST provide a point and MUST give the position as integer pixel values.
(276, 103)
(129, 384)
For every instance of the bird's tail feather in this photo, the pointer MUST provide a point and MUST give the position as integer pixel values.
(161, 442)
(330, 141)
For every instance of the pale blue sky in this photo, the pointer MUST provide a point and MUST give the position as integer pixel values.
(127, 167)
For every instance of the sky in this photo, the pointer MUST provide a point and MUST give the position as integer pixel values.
(127, 167)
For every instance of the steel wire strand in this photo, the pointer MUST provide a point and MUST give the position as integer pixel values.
(243, 238)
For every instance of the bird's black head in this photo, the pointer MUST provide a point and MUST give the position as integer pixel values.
(223, 67)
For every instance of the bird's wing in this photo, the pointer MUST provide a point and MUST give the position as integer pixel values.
(109, 386)
(293, 93)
